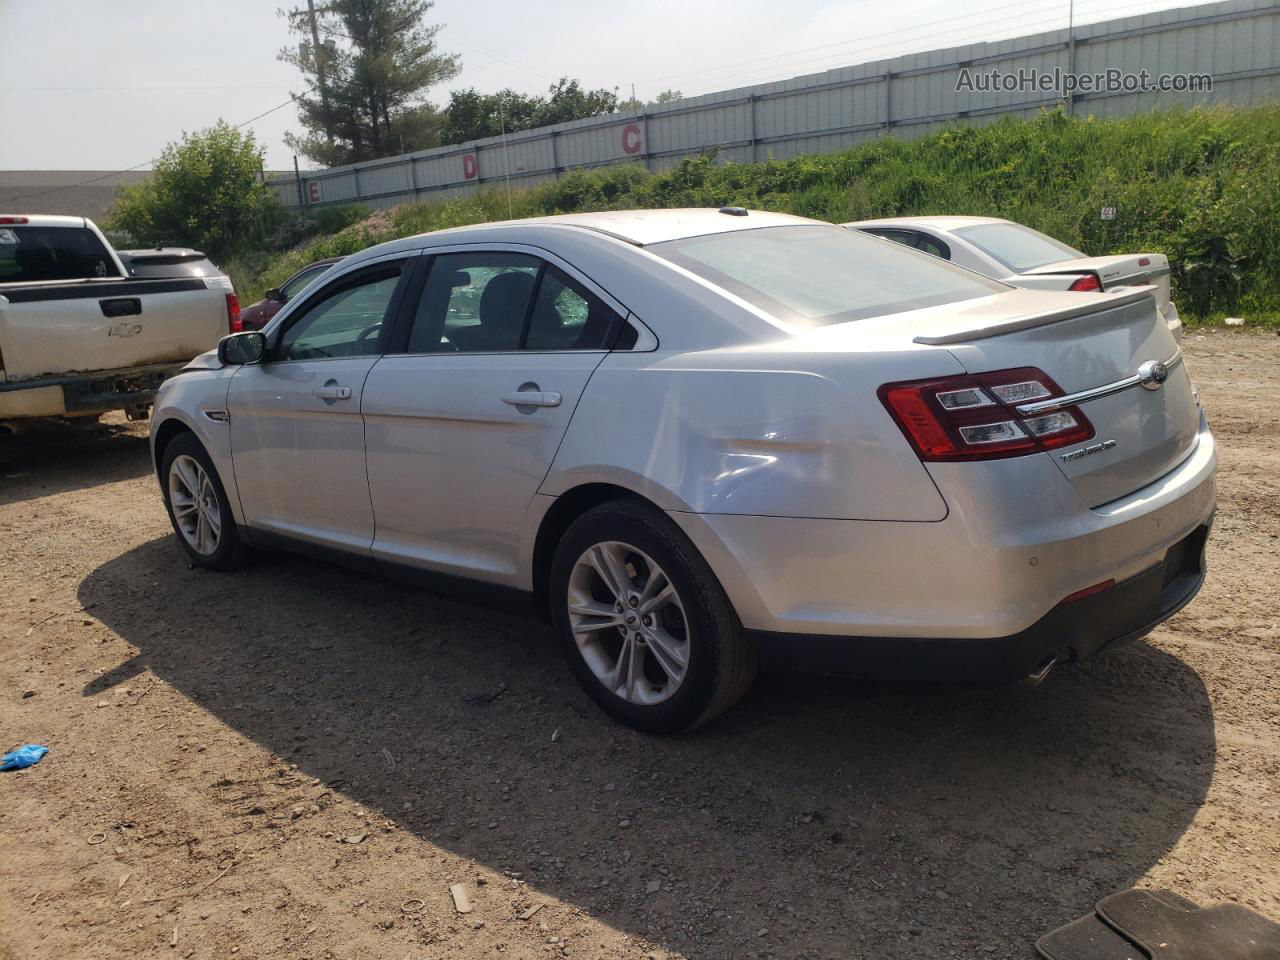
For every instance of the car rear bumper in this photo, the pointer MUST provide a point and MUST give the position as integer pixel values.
(1017, 540)
(1071, 631)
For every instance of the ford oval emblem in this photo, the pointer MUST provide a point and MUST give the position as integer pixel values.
(1153, 374)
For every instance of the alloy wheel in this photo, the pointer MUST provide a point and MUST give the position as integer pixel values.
(194, 501)
(628, 622)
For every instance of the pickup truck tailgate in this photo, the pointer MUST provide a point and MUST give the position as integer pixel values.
(47, 329)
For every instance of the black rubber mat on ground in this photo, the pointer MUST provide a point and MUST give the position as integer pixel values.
(1158, 925)
(1087, 939)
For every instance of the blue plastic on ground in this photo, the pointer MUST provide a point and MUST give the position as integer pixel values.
(26, 756)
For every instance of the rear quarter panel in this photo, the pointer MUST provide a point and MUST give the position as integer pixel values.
(787, 433)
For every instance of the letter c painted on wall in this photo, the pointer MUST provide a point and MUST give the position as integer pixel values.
(631, 139)
(470, 169)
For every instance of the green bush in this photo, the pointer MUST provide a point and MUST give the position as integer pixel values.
(206, 191)
(1201, 186)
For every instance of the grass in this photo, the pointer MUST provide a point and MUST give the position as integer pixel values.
(1201, 186)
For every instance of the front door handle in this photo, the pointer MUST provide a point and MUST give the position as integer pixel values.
(331, 391)
(532, 398)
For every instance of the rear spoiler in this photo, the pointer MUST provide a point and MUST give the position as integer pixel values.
(1130, 295)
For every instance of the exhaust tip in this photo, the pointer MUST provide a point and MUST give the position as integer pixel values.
(1038, 676)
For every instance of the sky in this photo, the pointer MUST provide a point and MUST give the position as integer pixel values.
(105, 84)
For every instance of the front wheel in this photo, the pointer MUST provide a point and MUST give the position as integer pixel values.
(645, 625)
(197, 505)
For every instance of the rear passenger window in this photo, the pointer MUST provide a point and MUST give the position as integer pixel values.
(502, 302)
(568, 316)
(474, 303)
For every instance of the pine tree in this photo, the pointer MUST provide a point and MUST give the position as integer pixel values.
(367, 65)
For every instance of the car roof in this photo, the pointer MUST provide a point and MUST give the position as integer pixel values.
(643, 227)
(941, 224)
(637, 227)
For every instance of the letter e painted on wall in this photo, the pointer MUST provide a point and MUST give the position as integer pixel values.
(313, 191)
(632, 139)
(470, 168)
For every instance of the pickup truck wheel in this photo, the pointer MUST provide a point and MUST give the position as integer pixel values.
(645, 625)
(197, 505)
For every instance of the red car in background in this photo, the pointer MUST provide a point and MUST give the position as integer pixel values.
(255, 316)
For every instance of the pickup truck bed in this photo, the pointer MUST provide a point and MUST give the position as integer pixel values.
(75, 346)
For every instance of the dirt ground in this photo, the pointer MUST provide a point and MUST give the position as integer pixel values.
(292, 761)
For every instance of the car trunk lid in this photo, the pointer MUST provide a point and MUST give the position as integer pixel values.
(1124, 270)
(1091, 344)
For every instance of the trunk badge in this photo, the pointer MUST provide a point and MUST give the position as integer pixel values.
(1153, 374)
(124, 330)
(1087, 451)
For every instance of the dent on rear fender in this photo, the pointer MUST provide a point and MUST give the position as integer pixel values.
(755, 442)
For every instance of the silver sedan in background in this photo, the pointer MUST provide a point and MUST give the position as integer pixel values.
(698, 439)
(1024, 257)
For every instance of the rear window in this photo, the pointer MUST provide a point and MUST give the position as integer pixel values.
(1017, 247)
(818, 275)
(153, 265)
(31, 254)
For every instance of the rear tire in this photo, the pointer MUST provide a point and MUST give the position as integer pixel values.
(643, 621)
(198, 506)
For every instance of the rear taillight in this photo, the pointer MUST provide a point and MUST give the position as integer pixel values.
(1089, 283)
(234, 323)
(975, 417)
(14, 220)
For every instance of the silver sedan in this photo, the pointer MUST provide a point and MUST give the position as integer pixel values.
(696, 440)
(1024, 257)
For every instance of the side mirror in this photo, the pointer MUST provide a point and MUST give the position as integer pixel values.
(242, 348)
(276, 294)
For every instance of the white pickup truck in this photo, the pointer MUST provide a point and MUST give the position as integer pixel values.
(79, 336)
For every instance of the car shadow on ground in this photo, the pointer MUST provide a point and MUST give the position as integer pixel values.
(48, 456)
(952, 822)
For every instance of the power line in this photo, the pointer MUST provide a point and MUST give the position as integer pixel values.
(137, 166)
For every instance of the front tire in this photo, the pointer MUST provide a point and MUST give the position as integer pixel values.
(198, 506)
(645, 625)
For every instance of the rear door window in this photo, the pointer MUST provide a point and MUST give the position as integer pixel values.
(33, 254)
(474, 303)
(499, 302)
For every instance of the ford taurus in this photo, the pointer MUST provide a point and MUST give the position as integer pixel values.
(698, 440)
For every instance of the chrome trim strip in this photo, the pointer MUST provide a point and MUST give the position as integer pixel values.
(1095, 393)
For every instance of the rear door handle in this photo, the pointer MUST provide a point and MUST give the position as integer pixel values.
(532, 398)
(333, 392)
